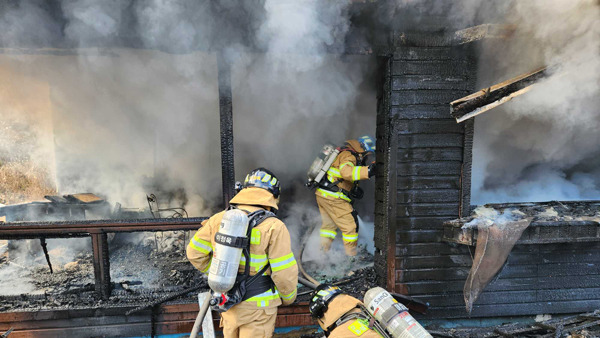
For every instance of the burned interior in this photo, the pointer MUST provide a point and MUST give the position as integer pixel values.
(485, 203)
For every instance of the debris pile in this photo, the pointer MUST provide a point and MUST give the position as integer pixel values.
(356, 283)
(578, 326)
(144, 269)
(554, 211)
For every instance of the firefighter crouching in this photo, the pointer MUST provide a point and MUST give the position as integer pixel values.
(338, 314)
(271, 260)
(336, 193)
(343, 316)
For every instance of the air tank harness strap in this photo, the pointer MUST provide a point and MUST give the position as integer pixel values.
(364, 315)
(346, 317)
(256, 218)
(232, 241)
(258, 283)
(353, 152)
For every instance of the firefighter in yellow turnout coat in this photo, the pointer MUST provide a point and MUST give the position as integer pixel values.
(339, 315)
(269, 244)
(336, 206)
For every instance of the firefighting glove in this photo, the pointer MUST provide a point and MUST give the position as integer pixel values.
(372, 168)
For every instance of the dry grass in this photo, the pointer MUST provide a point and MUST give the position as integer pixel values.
(22, 182)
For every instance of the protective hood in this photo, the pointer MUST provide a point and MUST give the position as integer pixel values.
(255, 196)
(354, 144)
(338, 306)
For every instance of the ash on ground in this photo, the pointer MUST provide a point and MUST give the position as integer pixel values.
(548, 211)
(144, 268)
(335, 264)
(356, 283)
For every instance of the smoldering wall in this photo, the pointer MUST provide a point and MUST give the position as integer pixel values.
(541, 145)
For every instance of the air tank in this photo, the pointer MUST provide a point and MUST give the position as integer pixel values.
(321, 164)
(393, 315)
(226, 259)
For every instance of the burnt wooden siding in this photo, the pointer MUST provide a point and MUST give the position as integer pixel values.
(385, 179)
(429, 161)
(537, 279)
(426, 181)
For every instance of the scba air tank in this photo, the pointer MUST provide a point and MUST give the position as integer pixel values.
(321, 164)
(393, 315)
(226, 257)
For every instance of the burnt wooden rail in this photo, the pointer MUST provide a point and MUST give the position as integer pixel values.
(112, 321)
(491, 97)
(97, 230)
(554, 328)
(538, 232)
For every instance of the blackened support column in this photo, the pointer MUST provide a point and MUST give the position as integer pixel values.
(101, 264)
(226, 112)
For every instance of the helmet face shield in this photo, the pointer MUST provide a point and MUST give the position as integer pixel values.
(367, 143)
(263, 178)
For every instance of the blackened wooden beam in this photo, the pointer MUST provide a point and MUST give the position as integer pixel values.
(538, 232)
(101, 264)
(480, 32)
(464, 209)
(65, 229)
(399, 39)
(226, 113)
(491, 97)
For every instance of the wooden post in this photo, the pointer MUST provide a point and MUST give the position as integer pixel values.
(101, 264)
(226, 112)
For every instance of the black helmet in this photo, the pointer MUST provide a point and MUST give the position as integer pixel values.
(263, 178)
(323, 294)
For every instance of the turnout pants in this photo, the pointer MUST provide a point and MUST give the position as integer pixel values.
(248, 323)
(337, 213)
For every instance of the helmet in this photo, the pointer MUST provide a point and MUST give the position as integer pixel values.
(367, 143)
(263, 178)
(321, 298)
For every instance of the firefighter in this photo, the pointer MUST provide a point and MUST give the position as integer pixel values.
(270, 251)
(336, 197)
(339, 314)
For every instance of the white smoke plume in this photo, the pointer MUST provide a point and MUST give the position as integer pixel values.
(543, 145)
(124, 122)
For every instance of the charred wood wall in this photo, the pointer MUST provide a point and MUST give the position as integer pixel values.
(537, 279)
(426, 181)
(428, 185)
(385, 182)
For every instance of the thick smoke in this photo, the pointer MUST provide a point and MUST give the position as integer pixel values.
(26, 143)
(543, 145)
(125, 122)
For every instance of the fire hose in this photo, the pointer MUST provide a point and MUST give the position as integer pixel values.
(299, 261)
(165, 299)
(200, 317)
(5, 334)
